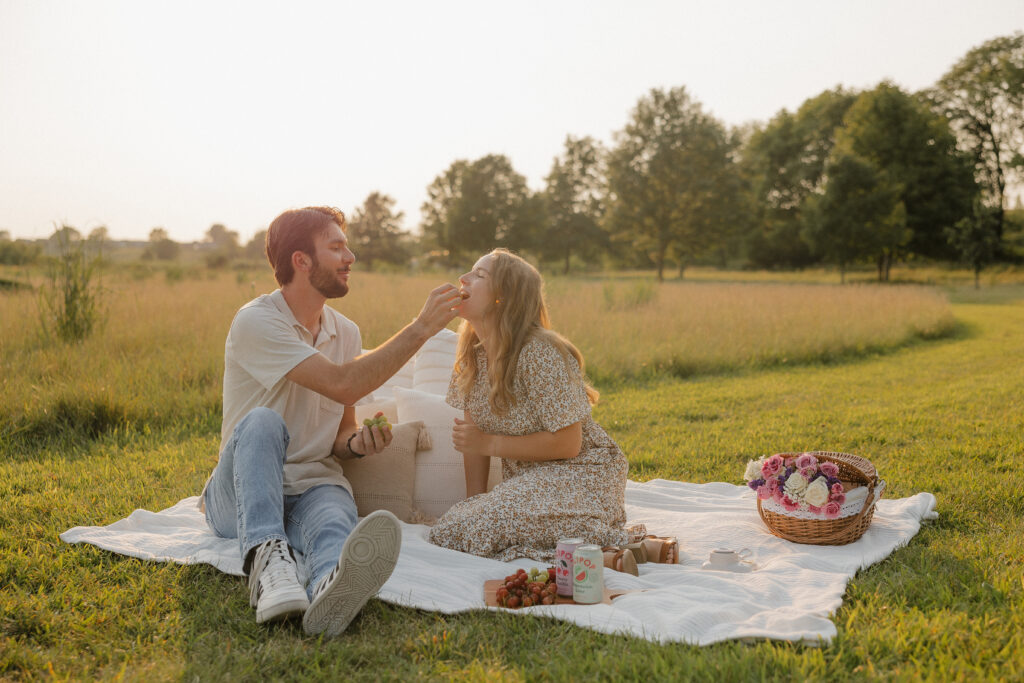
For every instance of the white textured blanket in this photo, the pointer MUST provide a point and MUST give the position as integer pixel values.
(790, 596)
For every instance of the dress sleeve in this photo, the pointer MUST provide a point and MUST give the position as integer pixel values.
(455, 397)
(554, 392)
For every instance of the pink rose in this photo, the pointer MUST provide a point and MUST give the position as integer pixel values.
(777, 492)
(805, 461)
(832, 510)
(829, 469)
(788, 503)
(815, 509)
(837, 488)
(808, 472)
(773, 486)
(838, 498)
(763, 492)
(771, 466)
(789, 462)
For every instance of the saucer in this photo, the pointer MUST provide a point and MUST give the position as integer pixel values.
(741, 567)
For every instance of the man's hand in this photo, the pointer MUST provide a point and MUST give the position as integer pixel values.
(371, 439)
(470, 439)
(438, 310)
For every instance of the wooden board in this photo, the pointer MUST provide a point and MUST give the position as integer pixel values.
(491, 595)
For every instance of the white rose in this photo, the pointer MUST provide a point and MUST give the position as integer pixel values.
(753, 470)
(817, 492)
(795, 485)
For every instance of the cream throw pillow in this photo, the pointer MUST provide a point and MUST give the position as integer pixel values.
(440, 476)
(433, 368)
(386, 481)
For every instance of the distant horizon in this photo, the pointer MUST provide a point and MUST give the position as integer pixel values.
(106, 120)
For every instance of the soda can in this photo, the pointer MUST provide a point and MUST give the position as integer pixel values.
(563, 565)
(588, 575)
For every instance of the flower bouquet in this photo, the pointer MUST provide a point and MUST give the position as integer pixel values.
(821, 498)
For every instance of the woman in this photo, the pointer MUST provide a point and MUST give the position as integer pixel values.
(525, 399)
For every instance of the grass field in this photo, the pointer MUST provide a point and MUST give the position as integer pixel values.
(93, 432)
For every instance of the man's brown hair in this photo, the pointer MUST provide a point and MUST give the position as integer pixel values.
(296, 230)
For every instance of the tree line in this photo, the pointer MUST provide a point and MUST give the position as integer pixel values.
(876, 176)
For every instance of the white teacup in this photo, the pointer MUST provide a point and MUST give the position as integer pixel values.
(733, 560)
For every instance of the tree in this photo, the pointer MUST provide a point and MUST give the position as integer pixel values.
(225, 246)
(223, 239)
(161, 246)
(96, 239)
(63, 239)
(574, 202)
(982, 96)
(785, 163)
(375, 231)
(858, 214)
(666, 176)
(475, 206)
(976, 239)
(256, 248)
(914, 149)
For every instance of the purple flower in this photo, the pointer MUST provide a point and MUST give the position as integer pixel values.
(755, 484)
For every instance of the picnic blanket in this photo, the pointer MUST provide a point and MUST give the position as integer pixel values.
(791, 594)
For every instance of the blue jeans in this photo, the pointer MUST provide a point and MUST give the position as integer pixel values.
(245, 498)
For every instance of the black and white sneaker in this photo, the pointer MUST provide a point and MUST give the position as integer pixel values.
(367, 560)
(274, 588)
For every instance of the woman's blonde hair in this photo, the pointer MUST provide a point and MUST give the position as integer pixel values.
(517, 315)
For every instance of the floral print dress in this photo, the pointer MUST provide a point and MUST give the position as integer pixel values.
(539, 503)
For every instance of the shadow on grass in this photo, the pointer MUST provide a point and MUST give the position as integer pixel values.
(678, 369)
(72, 425)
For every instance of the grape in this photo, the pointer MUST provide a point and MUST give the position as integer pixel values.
(528, 588)
(380, 421)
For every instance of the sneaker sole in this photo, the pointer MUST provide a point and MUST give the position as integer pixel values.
(366, 562)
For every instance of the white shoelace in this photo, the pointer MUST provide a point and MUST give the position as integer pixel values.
(279, 570)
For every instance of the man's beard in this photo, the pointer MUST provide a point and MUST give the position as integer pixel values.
(325, 281)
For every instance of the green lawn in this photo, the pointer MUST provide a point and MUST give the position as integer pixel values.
(945, 416)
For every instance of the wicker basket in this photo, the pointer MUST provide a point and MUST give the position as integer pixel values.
(853, 469)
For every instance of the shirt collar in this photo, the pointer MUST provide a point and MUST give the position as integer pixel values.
(328, 326)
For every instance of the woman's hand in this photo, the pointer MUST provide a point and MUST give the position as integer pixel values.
(470, 439)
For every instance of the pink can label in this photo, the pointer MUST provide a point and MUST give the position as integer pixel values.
(563, 564)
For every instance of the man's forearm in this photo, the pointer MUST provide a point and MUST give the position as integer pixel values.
(360, 376)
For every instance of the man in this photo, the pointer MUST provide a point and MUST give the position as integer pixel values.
(292, 374)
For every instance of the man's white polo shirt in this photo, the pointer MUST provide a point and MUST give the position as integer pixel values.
(265, 342)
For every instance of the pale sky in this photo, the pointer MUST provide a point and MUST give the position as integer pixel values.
(137, 114)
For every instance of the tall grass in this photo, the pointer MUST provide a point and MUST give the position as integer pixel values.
(159, 360)
(70, 300)
(694, 327)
